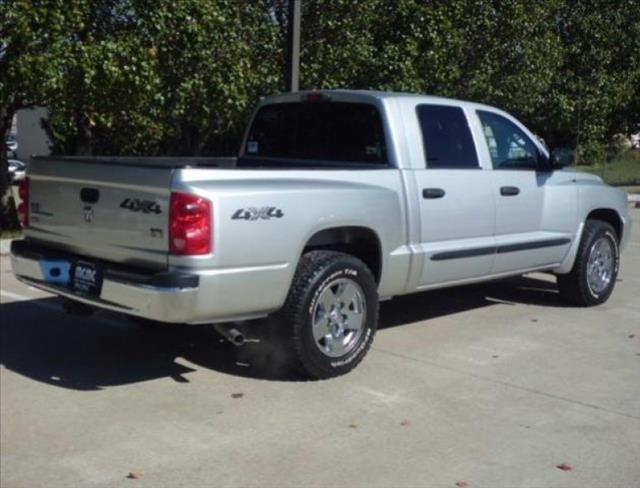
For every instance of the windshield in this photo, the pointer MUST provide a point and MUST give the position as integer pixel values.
(318, 131)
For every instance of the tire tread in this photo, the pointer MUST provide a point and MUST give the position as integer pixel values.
(293, 313)
(573, 285)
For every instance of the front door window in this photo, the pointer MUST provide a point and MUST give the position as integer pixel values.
(509, 146)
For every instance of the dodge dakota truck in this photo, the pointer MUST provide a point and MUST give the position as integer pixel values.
(337, 200)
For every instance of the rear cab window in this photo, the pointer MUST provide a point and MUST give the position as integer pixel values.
(446, 137)
(322, 133)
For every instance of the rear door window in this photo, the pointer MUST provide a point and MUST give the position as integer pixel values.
(446, 137)
(318, 131)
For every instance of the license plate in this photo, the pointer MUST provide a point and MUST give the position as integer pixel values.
(87, 279)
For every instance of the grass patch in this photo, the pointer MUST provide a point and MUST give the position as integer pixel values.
(624, 170)
(10, 234)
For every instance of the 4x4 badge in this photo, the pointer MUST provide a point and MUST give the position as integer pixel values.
(253, 213)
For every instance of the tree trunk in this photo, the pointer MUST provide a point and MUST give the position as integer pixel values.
(84, 133)
(8, 215)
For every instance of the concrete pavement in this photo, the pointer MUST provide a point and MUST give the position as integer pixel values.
(493, 385)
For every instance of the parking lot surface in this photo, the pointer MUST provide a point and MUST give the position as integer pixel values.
(494, 385)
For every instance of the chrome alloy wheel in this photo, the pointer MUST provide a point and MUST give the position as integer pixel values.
(600, 265)
(338, 317)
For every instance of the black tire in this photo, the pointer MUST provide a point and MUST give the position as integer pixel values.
(316, 272)
(574, 286)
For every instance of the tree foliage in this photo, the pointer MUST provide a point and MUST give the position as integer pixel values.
(156, 77)
(36, 40)
(598, 82)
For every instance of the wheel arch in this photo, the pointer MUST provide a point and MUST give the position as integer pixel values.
(360, 242)
(610, 216)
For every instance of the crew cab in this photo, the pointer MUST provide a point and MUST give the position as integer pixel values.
(337, 200)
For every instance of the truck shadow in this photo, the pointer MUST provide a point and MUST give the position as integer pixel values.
(40, 342)
(446, 301)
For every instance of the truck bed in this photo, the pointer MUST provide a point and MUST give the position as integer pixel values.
(174, 162)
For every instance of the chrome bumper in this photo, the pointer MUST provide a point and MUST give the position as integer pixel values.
(165, 304)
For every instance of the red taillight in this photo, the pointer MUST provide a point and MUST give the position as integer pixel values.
(190, 225)
(317, 97)
(23, 206)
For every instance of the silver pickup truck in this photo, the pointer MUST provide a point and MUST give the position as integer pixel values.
(337, 200)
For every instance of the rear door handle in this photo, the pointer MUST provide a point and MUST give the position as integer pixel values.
(509, 191)
(433, 193)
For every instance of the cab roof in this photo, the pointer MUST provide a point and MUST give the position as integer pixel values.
(368, 95)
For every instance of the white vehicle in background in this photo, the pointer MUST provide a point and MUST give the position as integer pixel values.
(17, 171)
(12, 146)
(338, 199)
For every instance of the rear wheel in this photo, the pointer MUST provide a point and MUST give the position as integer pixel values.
(594, 273)
(332, 313)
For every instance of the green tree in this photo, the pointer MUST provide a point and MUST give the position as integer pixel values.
(599, 77)
(34, 45)
(163, 77)
(506, 53)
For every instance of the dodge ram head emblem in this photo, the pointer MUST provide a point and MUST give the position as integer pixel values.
(88, 214)
(253, 213)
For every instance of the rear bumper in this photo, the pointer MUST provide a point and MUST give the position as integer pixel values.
(163, 296)
(197, 296)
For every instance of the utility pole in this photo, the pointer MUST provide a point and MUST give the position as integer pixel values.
(293, 46)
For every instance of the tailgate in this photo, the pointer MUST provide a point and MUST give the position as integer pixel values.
(108, 211)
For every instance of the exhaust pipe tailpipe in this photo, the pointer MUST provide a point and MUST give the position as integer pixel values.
(230, 333)
(77, 308)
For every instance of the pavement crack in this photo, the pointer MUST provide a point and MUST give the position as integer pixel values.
(508, 385)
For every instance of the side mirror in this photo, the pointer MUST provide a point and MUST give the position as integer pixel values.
(561, 157)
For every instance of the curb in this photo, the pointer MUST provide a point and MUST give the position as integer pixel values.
(633, 197)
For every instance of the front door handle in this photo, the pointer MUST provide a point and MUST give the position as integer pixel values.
(509, 191)
(433, 193)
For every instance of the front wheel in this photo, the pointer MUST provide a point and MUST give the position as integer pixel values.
(332, 313)
(594, 273)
